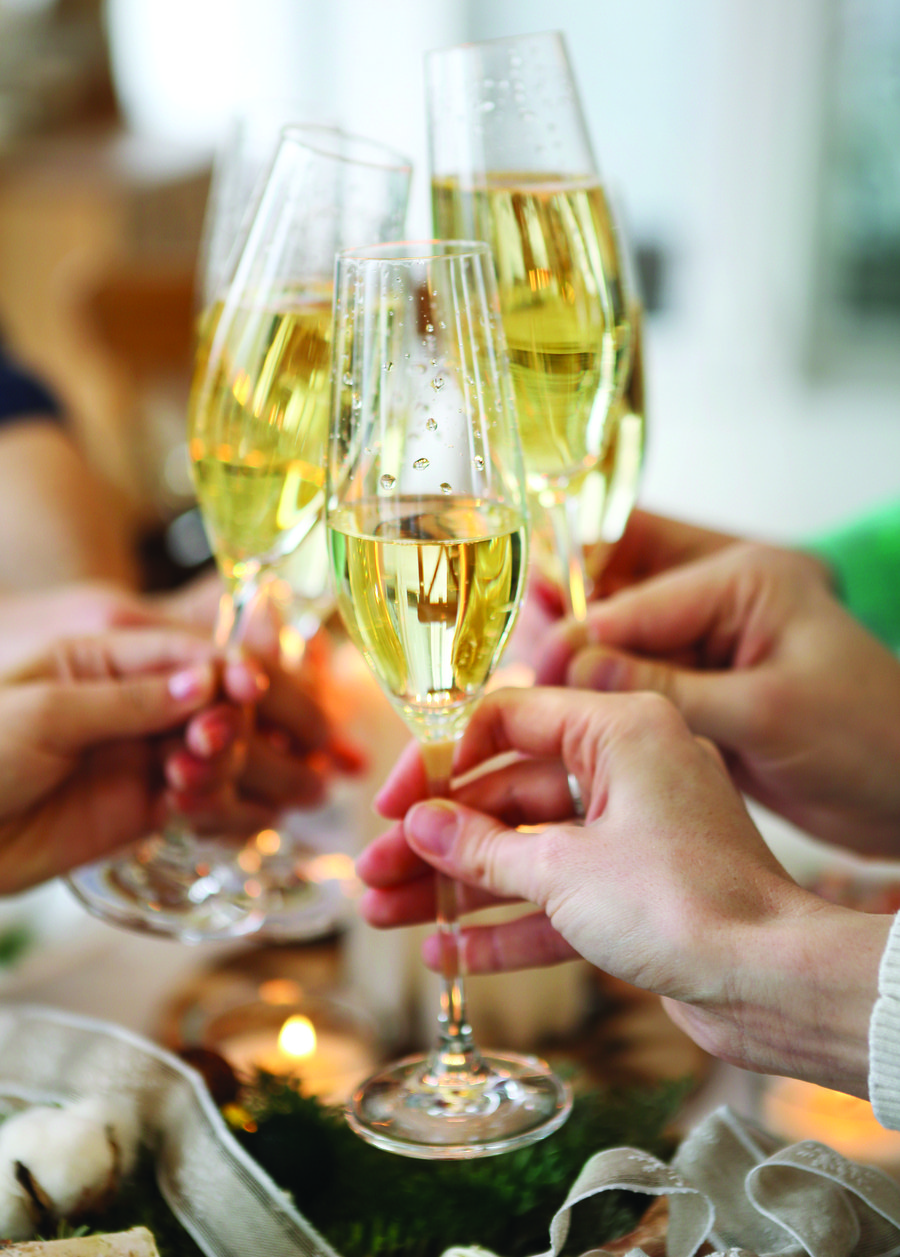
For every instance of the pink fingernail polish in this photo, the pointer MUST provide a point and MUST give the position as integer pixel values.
(188, 684)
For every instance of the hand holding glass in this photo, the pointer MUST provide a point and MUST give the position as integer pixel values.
(427, 531)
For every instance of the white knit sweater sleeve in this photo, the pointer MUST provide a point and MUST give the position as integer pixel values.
(884, 1036)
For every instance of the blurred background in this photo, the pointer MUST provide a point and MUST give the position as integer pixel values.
(754, 146)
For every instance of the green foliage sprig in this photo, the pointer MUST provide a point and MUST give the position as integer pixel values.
(369, 1203)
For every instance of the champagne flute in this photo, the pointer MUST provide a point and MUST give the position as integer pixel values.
(299, 589)
(427, 528)
(512, 164)
(238, 174)
(609, 491)
(257, 426)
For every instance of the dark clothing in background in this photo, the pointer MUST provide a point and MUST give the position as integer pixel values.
(22, 394)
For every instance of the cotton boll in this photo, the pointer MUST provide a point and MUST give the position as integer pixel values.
(69, 1156)
(119, 1117)
(16, 1218)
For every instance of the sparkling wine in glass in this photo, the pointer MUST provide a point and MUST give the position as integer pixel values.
(512, 164)
(427, 528)
(609, 491)
(257, 434)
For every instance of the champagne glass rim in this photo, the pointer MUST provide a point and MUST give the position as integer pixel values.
(546, 36)
(330, 141)
(399, 251)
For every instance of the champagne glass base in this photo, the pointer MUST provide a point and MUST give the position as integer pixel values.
(512, 1101)
(201, 891)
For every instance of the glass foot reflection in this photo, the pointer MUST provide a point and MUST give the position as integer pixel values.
(507, 1102)
(208, 890)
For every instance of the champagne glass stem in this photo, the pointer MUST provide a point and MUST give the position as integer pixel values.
(231, 612)
(575, 579)
(233, 604)
(455, 1052)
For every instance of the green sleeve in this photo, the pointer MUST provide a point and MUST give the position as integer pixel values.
(864, 555)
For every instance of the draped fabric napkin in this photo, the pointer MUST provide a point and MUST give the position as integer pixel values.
(218, 1193)
(732, 1188)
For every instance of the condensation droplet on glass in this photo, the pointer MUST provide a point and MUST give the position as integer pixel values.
(431, 425)
(347, 379)
(420, 367)
(429, 327)
(388, 482)
(487, 106)
(437, 383)
(369, 449)
(446, 488)
(356, 401)
(388, 366)
(479, 462)
(442, 325)
(420, 464)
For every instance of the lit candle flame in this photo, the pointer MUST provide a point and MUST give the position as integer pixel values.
(297, 1037)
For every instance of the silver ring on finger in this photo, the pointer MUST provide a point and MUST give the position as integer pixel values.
(577, 797)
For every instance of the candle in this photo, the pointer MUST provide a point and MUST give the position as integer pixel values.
(329, 1062)
(801, 1110)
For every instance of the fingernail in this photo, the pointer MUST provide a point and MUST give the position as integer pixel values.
(214, 736)
(189, 684)
(433, 825)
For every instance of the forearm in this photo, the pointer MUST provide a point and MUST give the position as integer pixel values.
(58, 520)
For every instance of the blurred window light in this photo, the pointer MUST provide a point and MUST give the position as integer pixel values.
(859, 256)
(863, 167)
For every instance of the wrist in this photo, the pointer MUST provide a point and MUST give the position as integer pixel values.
(801, 997)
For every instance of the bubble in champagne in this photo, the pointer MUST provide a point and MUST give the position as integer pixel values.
(431, 425)
(420, 464)
(446, 488)
(387, 481)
